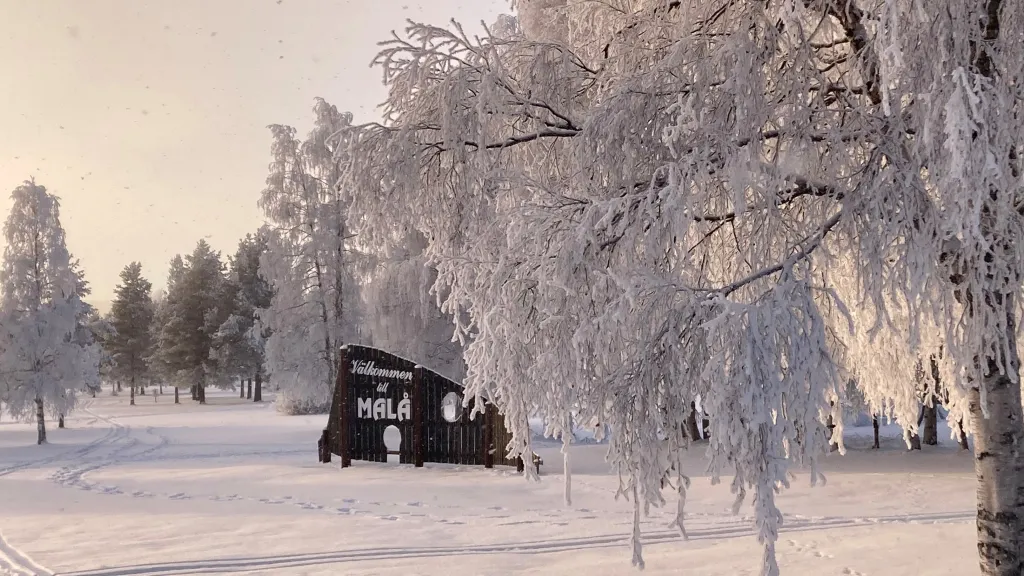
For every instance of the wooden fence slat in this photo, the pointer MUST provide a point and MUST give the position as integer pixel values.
(418, 442)
(345, 414)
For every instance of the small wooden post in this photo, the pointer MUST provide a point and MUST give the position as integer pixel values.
(874, 426)
(343, 409)
(176, 401)
(488, 443)
(325, 446)
(419, 441)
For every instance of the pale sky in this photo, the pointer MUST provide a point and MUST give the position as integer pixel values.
(148, 117)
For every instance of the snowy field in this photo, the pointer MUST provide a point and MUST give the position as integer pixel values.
(235, 488)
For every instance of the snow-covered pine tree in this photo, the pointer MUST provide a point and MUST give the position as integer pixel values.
(131, 315)
(102, 329)
(632, 204)
(157, 364)
(309, 263)
(195, 288)
(45, 358)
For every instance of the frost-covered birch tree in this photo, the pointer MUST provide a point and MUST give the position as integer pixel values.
(44, 357)
(401, 315)
(309, 263)
(633, 203)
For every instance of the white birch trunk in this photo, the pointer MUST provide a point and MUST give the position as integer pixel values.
(997, 463)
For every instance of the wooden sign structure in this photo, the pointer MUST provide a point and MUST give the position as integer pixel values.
(377, 392)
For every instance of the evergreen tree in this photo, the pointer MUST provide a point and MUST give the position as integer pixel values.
(194, 292)
(158, 364)
(238, 341)
(132, 319)
(102, 330)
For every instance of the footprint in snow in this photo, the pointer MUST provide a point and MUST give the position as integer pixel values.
(180, 496)
(811, 549)
(392, 518)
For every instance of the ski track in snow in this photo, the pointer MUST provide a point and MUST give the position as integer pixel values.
(75, 454)
(714, 531)
(13, 562)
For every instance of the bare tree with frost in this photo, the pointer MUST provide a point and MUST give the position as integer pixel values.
(401, 315)
(634, 203)
(309, 263)
(44, 358)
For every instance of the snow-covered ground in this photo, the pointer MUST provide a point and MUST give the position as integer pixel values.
(235, 488)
